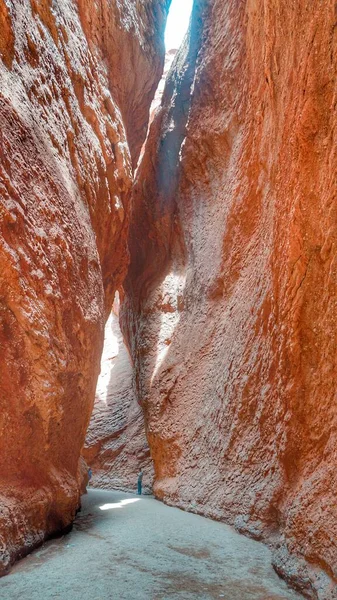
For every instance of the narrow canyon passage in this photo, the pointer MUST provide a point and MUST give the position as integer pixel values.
(199, 185)
(124, 547)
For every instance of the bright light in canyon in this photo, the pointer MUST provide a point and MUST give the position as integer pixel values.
(177, 23)
(120, 504)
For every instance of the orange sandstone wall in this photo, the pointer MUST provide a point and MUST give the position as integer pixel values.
(231, 294)
(76, 82)
(116, 445)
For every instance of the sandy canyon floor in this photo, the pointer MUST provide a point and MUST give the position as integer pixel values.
(124, 547)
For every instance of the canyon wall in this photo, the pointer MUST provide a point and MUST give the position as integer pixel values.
(231, 297)
(76, 82)
(116, 446)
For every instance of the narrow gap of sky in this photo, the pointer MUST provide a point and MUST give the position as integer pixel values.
(177, 23)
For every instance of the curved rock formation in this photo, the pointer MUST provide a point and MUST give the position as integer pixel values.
(231, 293)
(76, 79)
(116, 446)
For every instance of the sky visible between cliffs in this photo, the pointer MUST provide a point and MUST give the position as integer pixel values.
(177, 23)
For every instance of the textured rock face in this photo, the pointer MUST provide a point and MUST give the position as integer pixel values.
(231, 294)
(76, 82)
(116, 446)
(169, 57)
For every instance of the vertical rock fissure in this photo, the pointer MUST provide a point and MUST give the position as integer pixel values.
(177, 96)
(116, 445)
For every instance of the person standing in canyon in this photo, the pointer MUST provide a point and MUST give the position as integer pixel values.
(89, 475)
(140, 480)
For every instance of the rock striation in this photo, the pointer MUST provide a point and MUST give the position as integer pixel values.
(116, 446)
(231, 295)
(76, 82)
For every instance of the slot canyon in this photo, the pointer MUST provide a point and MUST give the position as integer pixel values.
(168, 284)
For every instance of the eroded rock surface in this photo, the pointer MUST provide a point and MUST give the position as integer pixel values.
(116, 446)
(76, 82)
(231, 294)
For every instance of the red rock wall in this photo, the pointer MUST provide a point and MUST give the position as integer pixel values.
(76, 82)
(116, 446)
(231, 294)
